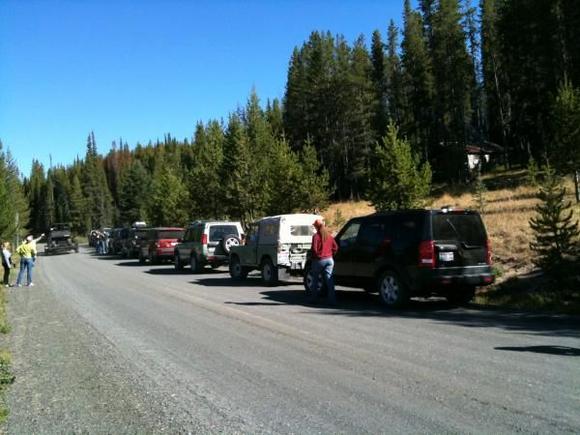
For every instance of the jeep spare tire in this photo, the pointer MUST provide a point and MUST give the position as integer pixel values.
(228, 241)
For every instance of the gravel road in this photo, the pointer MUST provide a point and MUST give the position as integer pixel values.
(110, 346)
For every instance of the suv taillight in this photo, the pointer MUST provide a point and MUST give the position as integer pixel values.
(204, 239)
(488, 252)
(427, 254)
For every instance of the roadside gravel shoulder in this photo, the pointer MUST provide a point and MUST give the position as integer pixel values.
(69, 378)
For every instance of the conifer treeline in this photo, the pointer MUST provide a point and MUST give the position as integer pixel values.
(504, 71)
(242, 170)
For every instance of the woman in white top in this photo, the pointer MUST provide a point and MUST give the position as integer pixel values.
(6, 263)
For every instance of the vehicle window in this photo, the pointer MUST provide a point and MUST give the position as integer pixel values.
(251, 235)
(140, 234)
(170, 235)
(267, 229)
(188, 237)
(301, 230)
(349, 234)
(467, 228)
(371, 234)
(408, 229)
(218, 232)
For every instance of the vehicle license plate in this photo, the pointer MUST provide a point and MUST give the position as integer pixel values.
(446, 256)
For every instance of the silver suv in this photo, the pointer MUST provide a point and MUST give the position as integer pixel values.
(207, 242)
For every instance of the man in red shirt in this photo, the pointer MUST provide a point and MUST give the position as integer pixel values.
(323, 249)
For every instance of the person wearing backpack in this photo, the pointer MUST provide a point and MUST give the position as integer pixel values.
(27, 252)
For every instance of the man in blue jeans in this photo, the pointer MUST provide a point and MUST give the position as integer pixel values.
(323, 249)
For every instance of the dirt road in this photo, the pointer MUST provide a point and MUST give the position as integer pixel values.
(108, 345)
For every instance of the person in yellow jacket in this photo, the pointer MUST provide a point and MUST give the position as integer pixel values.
(27, 252)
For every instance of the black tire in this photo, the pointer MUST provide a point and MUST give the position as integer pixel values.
(392, 290)
(461, 296)
(177, 262)
(228, 241)
(237, 271)
(141, 258)
(194, 263)
(153, 259)
(269, 272)
(307, 281)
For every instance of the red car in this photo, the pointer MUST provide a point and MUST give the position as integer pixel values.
(159, 244)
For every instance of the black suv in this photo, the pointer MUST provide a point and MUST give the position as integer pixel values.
(408, 253)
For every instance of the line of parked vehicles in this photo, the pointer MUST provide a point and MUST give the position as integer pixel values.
(397, 254)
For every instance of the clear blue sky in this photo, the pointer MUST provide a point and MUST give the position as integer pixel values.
(141, 69)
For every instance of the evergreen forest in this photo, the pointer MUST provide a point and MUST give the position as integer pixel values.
(500, 74)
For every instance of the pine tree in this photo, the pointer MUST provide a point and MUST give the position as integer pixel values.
(239, 186)
(133, 188)
(565, 144)
(397, 180)
(205, 185)
(77, 210)
(418, 84)
(34, 192)
(394, 78)
(168, 199)
(14, 210)
(454, 81)
(380, 84)
(98, 198)
(556, 235)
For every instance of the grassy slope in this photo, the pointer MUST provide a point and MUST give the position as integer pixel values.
(509, 205)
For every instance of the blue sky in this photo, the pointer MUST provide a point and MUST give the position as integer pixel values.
(141, 69)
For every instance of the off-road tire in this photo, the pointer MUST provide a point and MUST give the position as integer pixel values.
(392, 290)
(196, 267)
(237, 271)
(269, 272)
(177, 263)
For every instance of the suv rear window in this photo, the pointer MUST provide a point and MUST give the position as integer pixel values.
(301, 230)
(218, 232)
(169, 235)
(467, 228)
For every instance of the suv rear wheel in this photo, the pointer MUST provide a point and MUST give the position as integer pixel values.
(392, 291)
(178, 264)
(269, 272)
(194, 262)
(237, 271)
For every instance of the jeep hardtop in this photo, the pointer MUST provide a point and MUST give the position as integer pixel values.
(274, 245)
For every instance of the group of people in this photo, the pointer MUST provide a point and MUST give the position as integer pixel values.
(100, 240)
(27, 252)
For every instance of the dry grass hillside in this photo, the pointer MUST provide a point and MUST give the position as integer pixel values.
(509, 205)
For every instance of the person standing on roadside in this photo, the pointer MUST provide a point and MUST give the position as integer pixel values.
(27, 252)
(6, 263)
(323, 249)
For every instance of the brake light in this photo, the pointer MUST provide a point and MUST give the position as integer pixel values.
(427, 254)
(488, 252)
(204, 239)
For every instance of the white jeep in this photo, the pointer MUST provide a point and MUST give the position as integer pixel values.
(274, 245)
